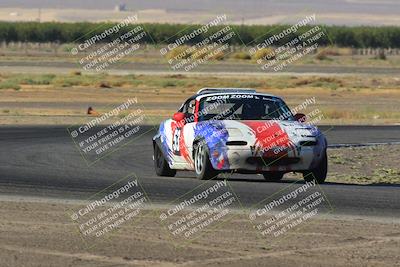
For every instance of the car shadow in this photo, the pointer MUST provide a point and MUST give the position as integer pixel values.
(252, 179)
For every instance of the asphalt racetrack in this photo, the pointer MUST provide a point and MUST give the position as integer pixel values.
(43, 162)
(208, 69)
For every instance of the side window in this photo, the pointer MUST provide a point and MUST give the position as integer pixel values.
(188, 108)
(191, 106)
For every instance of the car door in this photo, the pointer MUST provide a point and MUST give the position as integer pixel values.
(182, 134)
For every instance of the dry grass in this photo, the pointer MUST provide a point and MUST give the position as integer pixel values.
(264, 54)
(180, 52)
(366, 165)
(341, 99)
(241, 56)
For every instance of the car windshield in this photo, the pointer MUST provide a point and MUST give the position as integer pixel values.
(243, 107)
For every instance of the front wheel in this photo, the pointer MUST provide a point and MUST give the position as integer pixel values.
(319, 173)
(161, 165)
(202, 165)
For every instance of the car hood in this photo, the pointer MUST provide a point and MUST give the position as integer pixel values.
(264, 133)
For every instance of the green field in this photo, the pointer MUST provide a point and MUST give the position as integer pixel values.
(361, 36)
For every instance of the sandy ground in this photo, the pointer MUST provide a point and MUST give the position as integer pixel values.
(197, 15)
(40, 234)
(76, 15)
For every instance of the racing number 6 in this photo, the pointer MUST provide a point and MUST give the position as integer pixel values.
(176, 141)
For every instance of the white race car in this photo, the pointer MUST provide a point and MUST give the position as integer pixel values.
(239, 130)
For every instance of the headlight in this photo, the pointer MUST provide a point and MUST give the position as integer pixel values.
(305, 132)
(234, 132)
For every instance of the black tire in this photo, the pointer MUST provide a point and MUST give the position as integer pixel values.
(161, 165)
(319, 173)
(273, 176)
(202, 165)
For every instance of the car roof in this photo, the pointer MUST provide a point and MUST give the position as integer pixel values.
(226, 89)
(222, 91)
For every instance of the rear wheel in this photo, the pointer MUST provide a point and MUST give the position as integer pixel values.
(273, 176)
(161, 165)
(202, 165)
(319, 173)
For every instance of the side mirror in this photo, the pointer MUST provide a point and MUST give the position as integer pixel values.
(178, 116)
(300, 117)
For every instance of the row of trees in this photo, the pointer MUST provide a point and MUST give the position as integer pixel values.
(358, 37)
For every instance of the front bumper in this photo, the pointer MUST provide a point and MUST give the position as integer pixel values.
(294, 159)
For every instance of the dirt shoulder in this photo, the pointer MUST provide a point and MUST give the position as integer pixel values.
(40, 234)
(365, 165)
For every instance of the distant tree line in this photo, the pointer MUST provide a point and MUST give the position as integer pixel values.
(342, 36)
